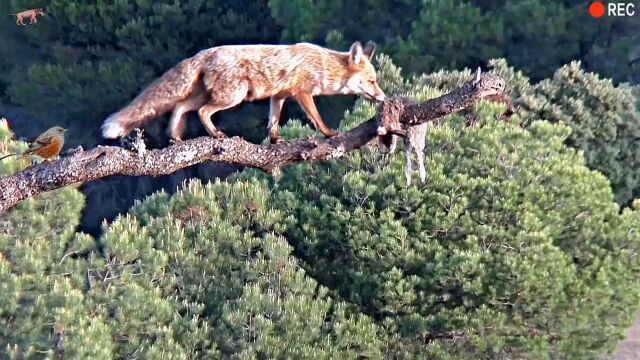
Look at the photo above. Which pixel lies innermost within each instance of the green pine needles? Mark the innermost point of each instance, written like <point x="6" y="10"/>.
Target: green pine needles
<point x="514" y="248"/>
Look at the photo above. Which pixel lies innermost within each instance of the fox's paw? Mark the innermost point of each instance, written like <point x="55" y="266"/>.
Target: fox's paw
<point x="331" y="133"/>
<point x="219" y="135"/>
<point x="277" y="140"/>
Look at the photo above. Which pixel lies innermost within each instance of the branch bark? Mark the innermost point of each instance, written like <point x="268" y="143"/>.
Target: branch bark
<point x="105" y="161"/>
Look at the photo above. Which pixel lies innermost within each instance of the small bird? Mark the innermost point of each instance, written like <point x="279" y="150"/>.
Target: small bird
<point x="47" y="146"/>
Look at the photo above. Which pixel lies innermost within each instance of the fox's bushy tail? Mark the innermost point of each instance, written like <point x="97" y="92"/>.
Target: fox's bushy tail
<point x="160" y="97"/>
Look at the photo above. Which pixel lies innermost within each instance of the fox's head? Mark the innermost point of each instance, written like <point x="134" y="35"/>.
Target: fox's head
<point x="361" y="74"/>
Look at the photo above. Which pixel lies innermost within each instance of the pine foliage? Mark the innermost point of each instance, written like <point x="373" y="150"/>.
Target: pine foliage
<point x="514" y="248"/>
<point x="205" y="273"/>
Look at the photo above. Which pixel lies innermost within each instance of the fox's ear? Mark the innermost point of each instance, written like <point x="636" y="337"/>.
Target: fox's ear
<point x="356" y="53"/>
<point x="369" y="50"/>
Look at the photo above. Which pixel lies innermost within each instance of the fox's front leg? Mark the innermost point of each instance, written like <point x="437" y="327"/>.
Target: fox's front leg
<point x="309" y="107"/>
<point x="275" y="110"/>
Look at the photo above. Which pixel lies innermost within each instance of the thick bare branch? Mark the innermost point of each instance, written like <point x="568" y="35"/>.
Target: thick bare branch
<point x="106" y="161"/>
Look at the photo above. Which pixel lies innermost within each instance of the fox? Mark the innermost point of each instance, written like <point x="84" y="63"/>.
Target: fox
<point x="32" y="14"/>
<point x="219" y="78"/>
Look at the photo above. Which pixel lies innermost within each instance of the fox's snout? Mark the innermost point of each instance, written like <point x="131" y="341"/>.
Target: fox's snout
<point x="380" y="96"/>
<point x="369" y="87"/>
<point x="374" y="94"/>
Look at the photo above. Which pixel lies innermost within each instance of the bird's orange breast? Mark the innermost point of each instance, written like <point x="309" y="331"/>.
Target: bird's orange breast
<point x="50" y="150"/>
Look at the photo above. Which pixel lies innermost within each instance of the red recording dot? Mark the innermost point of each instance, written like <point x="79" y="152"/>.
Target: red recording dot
<point x="596" y="9"/>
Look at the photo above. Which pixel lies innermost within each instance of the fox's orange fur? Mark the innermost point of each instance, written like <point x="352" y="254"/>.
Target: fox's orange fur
<point x="221" y="77"/>
<point x="32" y="14"/>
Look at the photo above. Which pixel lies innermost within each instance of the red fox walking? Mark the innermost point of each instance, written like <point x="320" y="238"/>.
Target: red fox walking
<point x="222" y="77"/>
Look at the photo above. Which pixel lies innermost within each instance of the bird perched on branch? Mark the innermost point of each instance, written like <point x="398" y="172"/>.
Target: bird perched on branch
<point x="47" y="146"/>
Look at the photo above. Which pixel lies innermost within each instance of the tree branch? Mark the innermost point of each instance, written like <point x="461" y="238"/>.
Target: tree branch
<point x="105" y="161"/>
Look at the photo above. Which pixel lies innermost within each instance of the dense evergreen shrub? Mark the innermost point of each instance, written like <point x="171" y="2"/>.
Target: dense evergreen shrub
<point x="604" y="118"/>
<point x="514" y="248"/>
<point x="201" y="274"/>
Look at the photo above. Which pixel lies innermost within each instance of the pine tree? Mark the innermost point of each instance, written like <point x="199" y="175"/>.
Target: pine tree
<point x="514" y="248"/>
<point x="604" y="119"/>
<point x="34" y="237"/>
<point x="205" y="273"/>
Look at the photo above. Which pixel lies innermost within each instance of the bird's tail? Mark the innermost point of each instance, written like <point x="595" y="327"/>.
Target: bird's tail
<point x="158" y="98"/>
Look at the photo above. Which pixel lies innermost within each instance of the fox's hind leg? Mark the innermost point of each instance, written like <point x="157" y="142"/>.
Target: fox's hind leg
<point x="178" y="122"/>
<point x="205" y="114"/>
<point x="230" y="97"/>
<point x="275" y="110"/>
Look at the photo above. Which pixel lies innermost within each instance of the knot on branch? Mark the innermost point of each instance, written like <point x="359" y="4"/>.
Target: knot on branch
<point x="389" y="116"/>
<point x="337" y="152"/>
<point x="50" y="181"/>
<point x="76" y="150"/>
<point x="135" y="142"/>
<point x="312" y="144"/>
<point x="306" y="155"/>
<point x="185" y="156"/>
